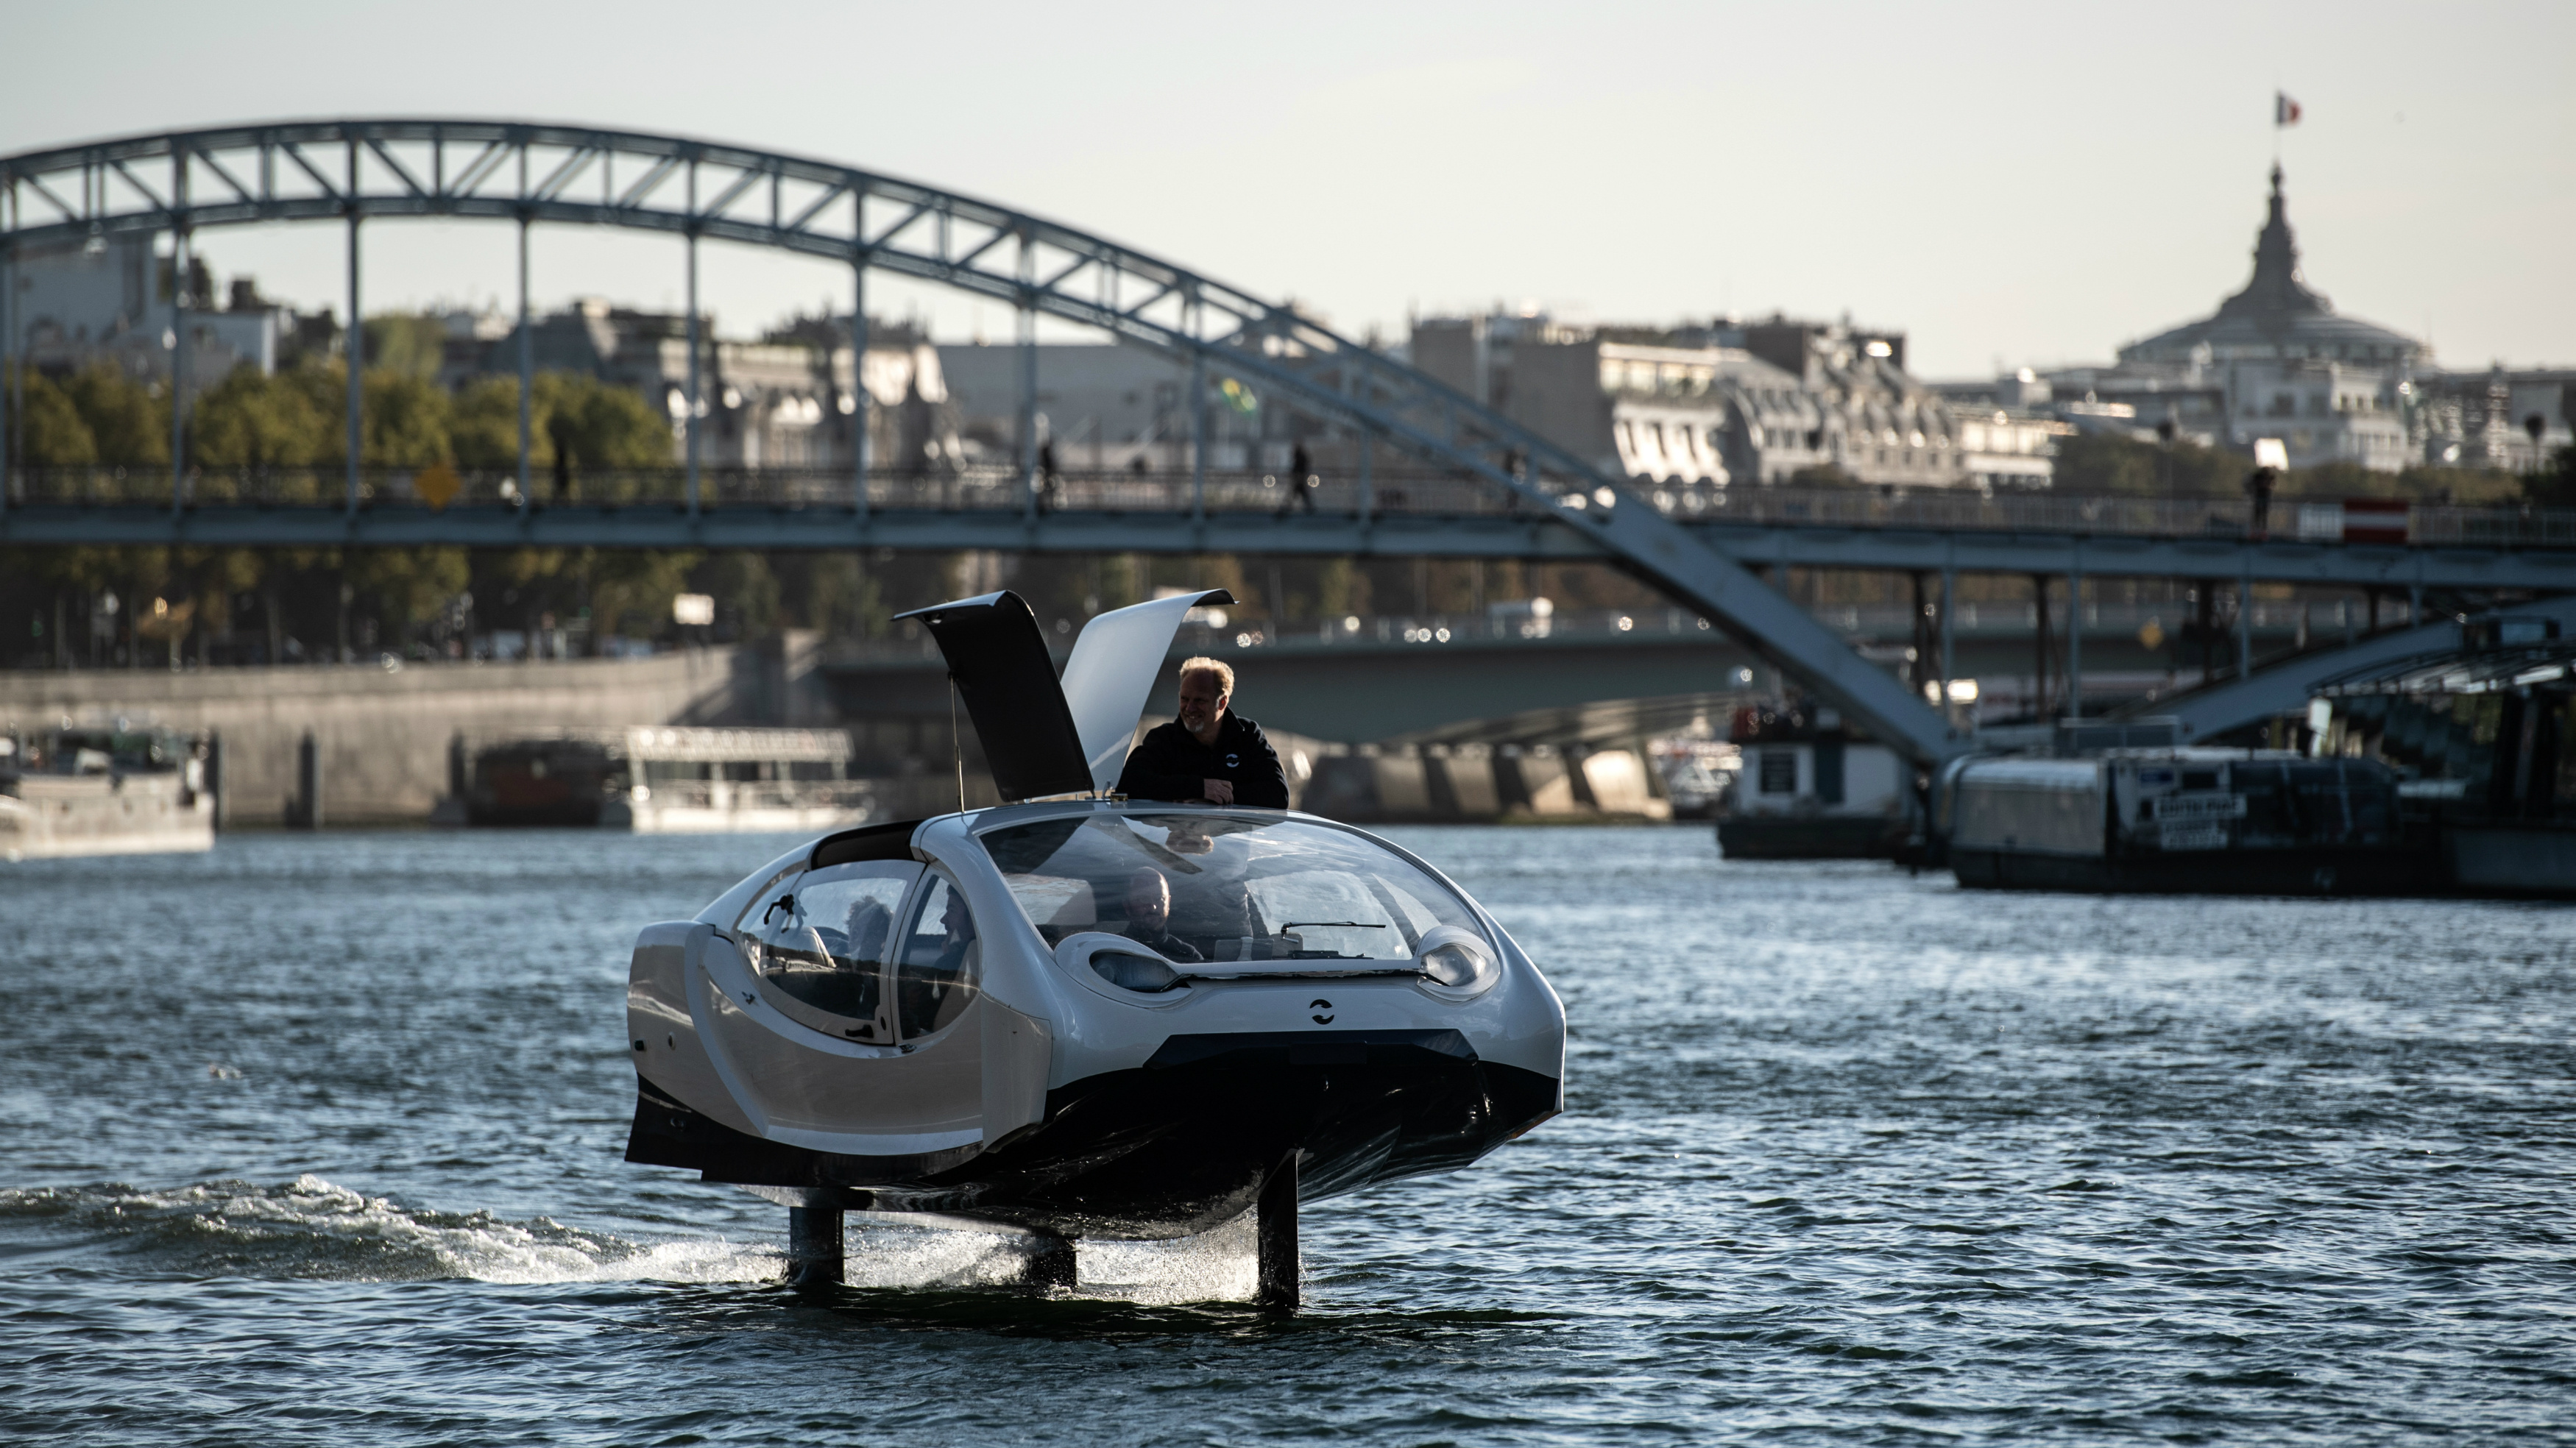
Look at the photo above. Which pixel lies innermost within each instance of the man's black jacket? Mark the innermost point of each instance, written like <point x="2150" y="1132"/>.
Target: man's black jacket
<point x="1172" y="764"/>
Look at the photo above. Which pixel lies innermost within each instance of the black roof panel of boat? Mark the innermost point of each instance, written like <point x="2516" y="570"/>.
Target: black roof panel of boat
<point x="999" y="661"/>
<point x="868" y="842"/>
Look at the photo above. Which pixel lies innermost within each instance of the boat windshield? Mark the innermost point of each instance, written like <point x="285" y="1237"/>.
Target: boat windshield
<point x="1205" y="887"/>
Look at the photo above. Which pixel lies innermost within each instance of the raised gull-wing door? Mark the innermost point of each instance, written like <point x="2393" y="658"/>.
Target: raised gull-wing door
<point x="1113" y="668"/>
<point x="998" y="657"/>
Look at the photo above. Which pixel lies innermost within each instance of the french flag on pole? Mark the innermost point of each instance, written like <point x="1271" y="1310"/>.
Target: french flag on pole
<point x="2285" y="111"/>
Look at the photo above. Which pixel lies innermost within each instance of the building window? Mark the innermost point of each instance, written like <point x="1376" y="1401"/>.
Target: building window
<point x="1779" y="771"/>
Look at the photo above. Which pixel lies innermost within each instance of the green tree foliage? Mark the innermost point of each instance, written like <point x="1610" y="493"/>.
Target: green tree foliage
<point x="842" y="597"/>
<point x="406" y="345"/>
<point x="603" y="426"/>
<point x="405" y="421"/>
<point x="2097" y="466"/>
<point x="129" y="423"/>
<point x="484" y="428"/>
<point x="2466" y="487"/>
<point x="2093" y="465"/>
<point x="55" y="434"/>
<point x="86" y="569"/>
<point x="529" y="567"/>
<point x="253" y="420"/>
<point x="1340" y="589"/>
<point x="602" y="429"/>
<point x="746" y="592"/>
<point x="325" y="386"/>
<point x="410" y="585"/>
<point x="222" y="570"/>
<point x="1823" y="475"/>
<point x="631" y="591"/>
<point x="2556" y="486"/>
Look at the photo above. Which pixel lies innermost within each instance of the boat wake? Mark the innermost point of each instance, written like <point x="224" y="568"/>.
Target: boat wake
<point x="315" y="1229"/>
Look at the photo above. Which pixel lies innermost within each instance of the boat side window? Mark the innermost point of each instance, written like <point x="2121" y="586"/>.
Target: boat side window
<point x="823" y="939"/>
<point x="942" y="960"/>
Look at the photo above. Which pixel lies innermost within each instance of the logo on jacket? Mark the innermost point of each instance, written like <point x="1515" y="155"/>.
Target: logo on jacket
<point x="1234" y="761"/>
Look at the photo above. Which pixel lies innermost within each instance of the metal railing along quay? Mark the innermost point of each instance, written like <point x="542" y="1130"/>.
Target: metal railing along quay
<point x="994" y="489"/>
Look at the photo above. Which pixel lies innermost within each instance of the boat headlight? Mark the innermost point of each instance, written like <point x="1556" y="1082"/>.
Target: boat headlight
<point x="1119" y="961"/>
<point x="1457" y="962"/>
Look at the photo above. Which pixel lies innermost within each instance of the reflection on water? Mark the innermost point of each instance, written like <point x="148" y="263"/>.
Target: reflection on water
<point x="317" y="1140"/>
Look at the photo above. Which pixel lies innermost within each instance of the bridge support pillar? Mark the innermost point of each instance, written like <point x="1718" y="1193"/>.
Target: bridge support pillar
<point x="354" y="347"/>
<point x="1949" y="661"/>
<point x="1368" y="481"/>
<point x="527" y="349"/>
<point x="178" y="370"/>
<point x="2075" y="643"/>
<point x="696" y="404"/>
<point x="2039" y="647"/>
<point x="1918" y="634"/>
<point x="2244" y="623"/>
<point x="858" y="377"/>
<point x="1025" y="327"/>
<point x="13" y="393"/>
<point x="1198" y="433"/>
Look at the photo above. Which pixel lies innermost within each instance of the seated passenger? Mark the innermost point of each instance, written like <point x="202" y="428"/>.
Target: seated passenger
<point x="1149" y="911"/>
<point x="1210" y="752"/>
<point x="940" y="965"/>
<point x="869" y="925"/>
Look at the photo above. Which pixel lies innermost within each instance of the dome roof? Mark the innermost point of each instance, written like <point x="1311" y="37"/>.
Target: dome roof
<point x="2276" y="315"/>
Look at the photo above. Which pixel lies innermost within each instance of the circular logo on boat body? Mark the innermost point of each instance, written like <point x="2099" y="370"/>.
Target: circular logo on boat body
<point x="1323" y="1011"/>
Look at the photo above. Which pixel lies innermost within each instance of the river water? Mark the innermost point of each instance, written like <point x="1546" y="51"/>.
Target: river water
<point x="316" y="1140"/>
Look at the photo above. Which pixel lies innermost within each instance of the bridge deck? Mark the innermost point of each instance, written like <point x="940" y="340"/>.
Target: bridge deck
<point x="1396" y="513"/>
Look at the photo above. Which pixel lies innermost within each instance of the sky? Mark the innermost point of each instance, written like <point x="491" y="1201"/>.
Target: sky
<point x="2011" y="185"/>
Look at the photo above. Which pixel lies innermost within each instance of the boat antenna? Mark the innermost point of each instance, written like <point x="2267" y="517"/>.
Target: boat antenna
<point x="956" y="750"/>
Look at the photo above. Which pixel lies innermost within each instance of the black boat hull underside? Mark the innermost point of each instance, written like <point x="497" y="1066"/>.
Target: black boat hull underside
<point x="1176" y="1147"/>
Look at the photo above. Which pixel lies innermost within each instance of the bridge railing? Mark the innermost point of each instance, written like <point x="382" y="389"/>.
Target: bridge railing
<point x="973" y="488"/>
<point x="1510" y="624"/>
<point x="1968" y="510"/>
<point x="990" y="488"/>
<point x="1973" y="618"/>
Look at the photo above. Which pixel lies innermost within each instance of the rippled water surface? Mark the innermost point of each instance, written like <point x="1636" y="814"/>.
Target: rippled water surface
<point x="316" y="1140"/>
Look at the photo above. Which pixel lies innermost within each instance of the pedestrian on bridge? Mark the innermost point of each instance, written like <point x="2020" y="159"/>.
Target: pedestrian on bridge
<point x="1050" y="482"/>
<point x="1302" y="482"/>
<point x="2258" y="486"/>
<point x="1210" y="752"/>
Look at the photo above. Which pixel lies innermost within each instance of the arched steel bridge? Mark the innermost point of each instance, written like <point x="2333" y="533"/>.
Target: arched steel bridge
<point x="1529" y="496"/>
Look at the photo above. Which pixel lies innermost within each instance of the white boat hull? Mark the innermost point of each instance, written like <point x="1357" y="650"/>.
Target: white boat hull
<point x="84" y="815"/>
<point x="685" y="819"/>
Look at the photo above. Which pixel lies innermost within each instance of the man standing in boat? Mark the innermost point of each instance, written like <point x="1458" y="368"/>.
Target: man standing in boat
<point x="1209" y="752"/>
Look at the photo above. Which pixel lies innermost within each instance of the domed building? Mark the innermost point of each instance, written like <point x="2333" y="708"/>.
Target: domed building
<point x="2331" y="388"/>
